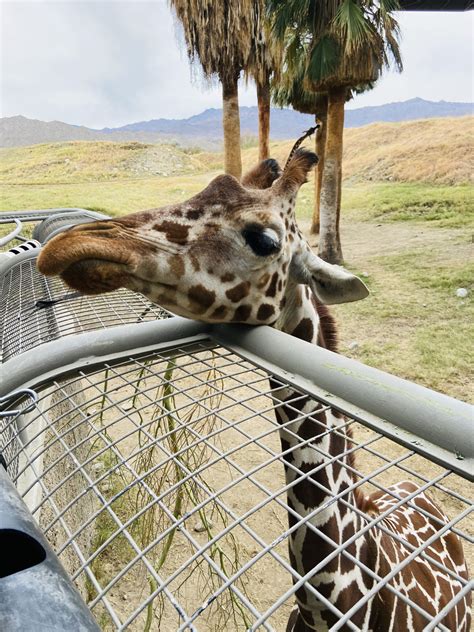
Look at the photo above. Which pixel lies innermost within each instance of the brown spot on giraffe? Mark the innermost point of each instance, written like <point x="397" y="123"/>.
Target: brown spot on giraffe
<point x="238" y="292"/>
<point x="242" y="314"/>
<point x="272" y="286"/>
<point x="219" y="313"/>
<point x="203" y="297"/>
<point x="194" y="214"/>
<point x="195" y="262"/>
<point x="174" y="232"/>
<point x="304" y="330"/>
<point x="228" y="277"/>
<point x="265" y="312"/>
<point x="176" y="264"/>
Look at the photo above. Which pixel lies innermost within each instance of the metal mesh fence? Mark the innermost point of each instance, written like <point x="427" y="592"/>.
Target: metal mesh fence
<point x="34" y="309"/>
<point x="159" y="480"/>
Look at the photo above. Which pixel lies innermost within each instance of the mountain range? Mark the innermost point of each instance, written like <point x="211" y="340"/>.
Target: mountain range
<point x="205" y="129"/>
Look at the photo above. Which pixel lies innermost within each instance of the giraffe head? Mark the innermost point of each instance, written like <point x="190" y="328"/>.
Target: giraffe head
<point x="229" y="254"/>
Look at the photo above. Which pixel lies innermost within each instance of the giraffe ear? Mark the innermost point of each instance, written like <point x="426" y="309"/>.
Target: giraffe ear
<point x="330" y="283"/>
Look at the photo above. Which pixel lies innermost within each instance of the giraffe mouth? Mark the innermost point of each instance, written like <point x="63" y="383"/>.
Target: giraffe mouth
<point x="92" y="264"/>
<point x="87" y="261"/>
<point x="96" y="276"/>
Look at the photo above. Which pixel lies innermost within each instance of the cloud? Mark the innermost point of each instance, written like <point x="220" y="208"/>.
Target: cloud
<point x="108" y="63"/>
<point x="437" y="58"/>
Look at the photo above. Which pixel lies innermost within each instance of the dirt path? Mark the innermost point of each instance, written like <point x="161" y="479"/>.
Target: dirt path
<point x="364" y="240"/>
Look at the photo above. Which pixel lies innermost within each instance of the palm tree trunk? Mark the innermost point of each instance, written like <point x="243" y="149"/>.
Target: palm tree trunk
<point x="231" y="124"/>
<point x="329" y="241"/>
<point x="321" y="118"/>
<point x="263" y="99"/>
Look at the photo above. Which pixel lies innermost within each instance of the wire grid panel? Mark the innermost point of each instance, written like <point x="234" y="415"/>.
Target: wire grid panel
<point x="35" y="309"/>
<point x="161" y="485"/>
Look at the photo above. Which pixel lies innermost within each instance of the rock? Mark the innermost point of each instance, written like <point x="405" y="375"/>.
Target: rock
<point x="200" y="527"/>
<point x="461" y="292"/>
<point x="353" y="346"/>
<point x="364" y="274"/>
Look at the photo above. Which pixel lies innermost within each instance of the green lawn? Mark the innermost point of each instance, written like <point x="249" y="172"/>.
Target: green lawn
<point x="413" y="324"/>
<point x="115" y="198"/>
<point x="443" y="206"/>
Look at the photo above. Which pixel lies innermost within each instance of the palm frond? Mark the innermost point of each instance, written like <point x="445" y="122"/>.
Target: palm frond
<point x="352" y="29"/>
<point x="323" y="59"/>
<point x="386" y="7"/>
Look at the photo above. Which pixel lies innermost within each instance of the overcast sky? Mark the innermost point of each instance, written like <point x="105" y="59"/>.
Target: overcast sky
<point x="108" y="63"/>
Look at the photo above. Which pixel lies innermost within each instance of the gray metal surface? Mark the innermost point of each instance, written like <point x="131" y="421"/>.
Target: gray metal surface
<point x="35" y="309"/>
<point x="439" y="426"/>
<point x="36" y="215"/>
<point x="13" y="234"/>
<point x="433" y="424"/>
<point x="35" y="592"/>
<point x="58" y="222"/>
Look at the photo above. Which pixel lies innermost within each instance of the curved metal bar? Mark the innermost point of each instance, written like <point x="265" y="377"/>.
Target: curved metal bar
<point x="430" y="423"/>
<point x="15" y="395"/>
<point x="16" y="231"/>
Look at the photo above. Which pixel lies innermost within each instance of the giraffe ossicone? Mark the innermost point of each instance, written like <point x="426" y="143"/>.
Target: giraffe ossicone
<point x="234" y="253"/>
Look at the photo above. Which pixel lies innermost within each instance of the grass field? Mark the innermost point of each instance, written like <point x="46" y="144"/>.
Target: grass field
<point x="409" y="230"/>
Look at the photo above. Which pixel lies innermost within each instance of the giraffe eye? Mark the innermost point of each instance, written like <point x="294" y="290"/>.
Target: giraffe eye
<point x="263" y="242"/>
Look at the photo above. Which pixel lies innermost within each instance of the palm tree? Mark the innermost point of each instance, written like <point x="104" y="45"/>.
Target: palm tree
<point x="349" y="42"/>
<point x="219" y="35"/>
<point x="260" y="65"/>
<point x="226" y="38"/>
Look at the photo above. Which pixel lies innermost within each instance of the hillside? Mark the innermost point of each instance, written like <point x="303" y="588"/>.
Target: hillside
<point x="92" y="161"/>
<point x="205" y="129"/>
<point x="436" y="151"/>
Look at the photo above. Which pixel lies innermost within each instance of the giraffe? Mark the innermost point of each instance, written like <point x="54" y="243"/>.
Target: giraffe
<point x="234" y="253"/>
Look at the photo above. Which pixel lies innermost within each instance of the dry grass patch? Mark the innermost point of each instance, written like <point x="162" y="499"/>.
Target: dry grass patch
<point x="85" y="161"/>
<point x="438" y="151"/>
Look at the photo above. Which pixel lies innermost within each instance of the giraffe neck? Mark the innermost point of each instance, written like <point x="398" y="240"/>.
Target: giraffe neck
<point x="310" y="449"/>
